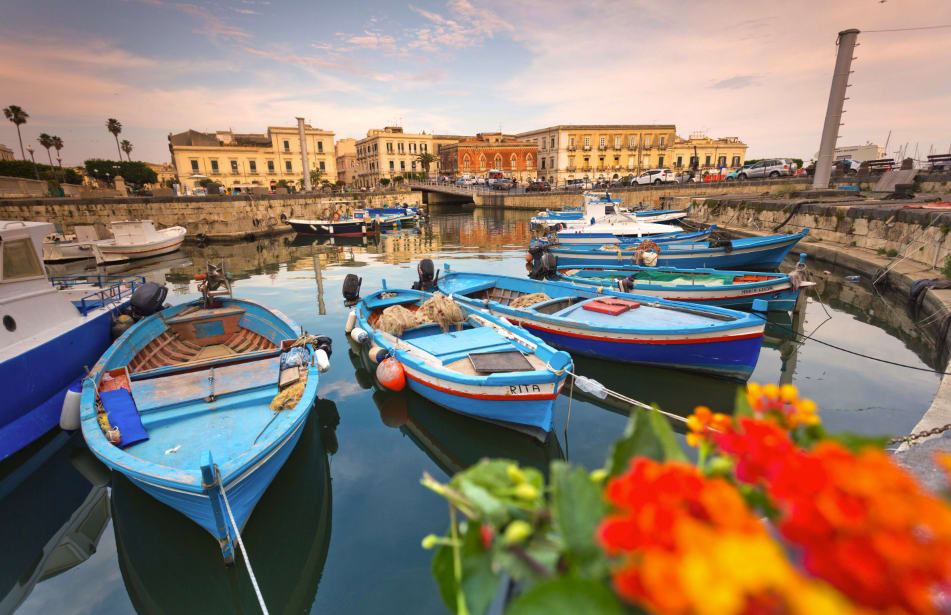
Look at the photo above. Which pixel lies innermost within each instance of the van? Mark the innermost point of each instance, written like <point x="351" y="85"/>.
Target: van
<point x="494" y="175"/>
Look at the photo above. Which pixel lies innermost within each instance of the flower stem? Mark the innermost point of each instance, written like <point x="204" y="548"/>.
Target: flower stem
<point x="457" y="563"/>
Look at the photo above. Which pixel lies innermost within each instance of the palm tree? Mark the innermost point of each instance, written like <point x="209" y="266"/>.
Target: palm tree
<point x="18" y="116"/>
<point x="426" y="159"/>
<point x="127" y="148"/>
<point x="47" y="142"/>
<point x="115" y="127"/>
<point x="58" y="145"/>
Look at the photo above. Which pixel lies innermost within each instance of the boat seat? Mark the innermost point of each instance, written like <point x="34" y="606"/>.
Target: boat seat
<point x="214" y="351"/>
<point x="204" y="314"/>
<point x="378" y="303"/>
<point x="455" y="345"/>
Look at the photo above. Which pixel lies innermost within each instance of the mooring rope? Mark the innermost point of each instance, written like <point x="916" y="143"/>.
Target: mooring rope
<point x="244" y="552"/>
<point x="592" y="386"/>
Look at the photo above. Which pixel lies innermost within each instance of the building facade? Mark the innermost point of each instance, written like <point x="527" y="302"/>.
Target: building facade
<point x="859" y="153"/>
<point x="389" y="152"/>
<point x="5" y="152"/>
<point x="165" y="172"/>
<point x="725" y="153"/>
<point x="490" y="150"/>
<point x="346" y="153"/>
<point x="246" y="160"/>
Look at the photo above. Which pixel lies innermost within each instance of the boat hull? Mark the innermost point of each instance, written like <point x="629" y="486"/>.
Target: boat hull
<point x="355" y="228"/>
<point x="113" y="253"/>
<point x="64" y="252"/>
<point x="611" y="238"/>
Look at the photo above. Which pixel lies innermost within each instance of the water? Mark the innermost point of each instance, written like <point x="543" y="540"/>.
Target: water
<point x="339" y="529"/>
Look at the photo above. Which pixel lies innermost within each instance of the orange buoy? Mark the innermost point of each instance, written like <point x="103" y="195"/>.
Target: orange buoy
<point x="528" y="257"/>
<point x="391" y="375"/>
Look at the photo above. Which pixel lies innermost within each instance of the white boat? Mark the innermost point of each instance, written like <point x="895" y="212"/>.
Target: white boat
<point x="58" y="248"/>
<point x="134" y="239"/>
<point x="601" y="222"/>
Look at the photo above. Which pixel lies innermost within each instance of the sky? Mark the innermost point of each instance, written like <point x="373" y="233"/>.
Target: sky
<point x="756" y="70"/>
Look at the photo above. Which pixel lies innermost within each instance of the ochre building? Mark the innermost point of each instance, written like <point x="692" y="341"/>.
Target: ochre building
<point x="490" y="150"/>
<point x="389" y="152"/>
<point x="245" y="160"/>
<point x="346" y="153"/>
<point x="726" y="153"/>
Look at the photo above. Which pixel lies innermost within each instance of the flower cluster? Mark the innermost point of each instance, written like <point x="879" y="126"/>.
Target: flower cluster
<point x="782" y="405"/>
<point x="702" y="422"/>
<point x="689" y="544"/>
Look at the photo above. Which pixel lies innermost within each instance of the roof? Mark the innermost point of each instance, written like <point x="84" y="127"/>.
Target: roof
<point x="600" y="127"/>
<point x="193" y="137"/>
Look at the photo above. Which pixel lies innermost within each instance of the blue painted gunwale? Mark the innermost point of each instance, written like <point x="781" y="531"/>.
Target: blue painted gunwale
<point x="722" y="347"/>
<point x="587" y="239"/>
<point x="728" y="295"/>
<point x="246" y="475"/>
<point x="476" y="396"/>
<point x="765" y="252"/>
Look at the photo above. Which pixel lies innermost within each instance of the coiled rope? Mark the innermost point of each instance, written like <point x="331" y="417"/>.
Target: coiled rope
<point x="244" y="552"/>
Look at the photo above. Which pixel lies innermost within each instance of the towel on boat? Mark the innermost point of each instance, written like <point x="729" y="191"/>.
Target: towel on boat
<point x="123" y="414"/>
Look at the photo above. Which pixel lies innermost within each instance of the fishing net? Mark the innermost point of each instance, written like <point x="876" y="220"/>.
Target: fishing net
<point x="441" y="310"/>
<point x="396" y="319"/>
<point x="289" y="397"/>
<point x="529" y="300"/>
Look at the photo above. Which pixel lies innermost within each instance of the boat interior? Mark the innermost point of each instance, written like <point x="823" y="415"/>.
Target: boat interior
<point x="673" y="278"/>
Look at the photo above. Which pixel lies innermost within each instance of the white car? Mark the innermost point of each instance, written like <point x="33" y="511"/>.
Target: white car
<point x="656" y="176"/>
<point x="479" y="181"/>
<point x="465" y="180"/>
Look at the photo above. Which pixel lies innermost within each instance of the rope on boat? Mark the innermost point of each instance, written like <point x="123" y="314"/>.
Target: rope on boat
<point x="593" y="387"/>
<point x="244" y="552"/>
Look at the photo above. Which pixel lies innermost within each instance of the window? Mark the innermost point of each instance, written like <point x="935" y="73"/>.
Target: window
<point x="320" y="147"/>
<point x="680" y="162"/>
<point x="633" y="142"/>
<point x="663" y="141"/>
<point x="287" y="146"/>
<point x="253" y="165"/>
<point x="424" y="147"/>
<point x="497" y="163"/>
<point x="234" y="167"/>
<point x="721" y="161"/>
<point x="694" y="161"/>
<point x="323" y="166"/>
<point x="630" y="162"/>
<point x="482" y="162"/>
<point x="528" y="161"/>
<point x="402" y="165"/>
<point x="571" y="142"/>
<point x="601" y="142"/>
<point x="514" y="161"/>
<point x="617" y="142"/>
<point x="194" y="166"/>
<point x="660" y="161"/>
<point x="374" y="147"/>
<point x="706" y="160"/>
<point x="20" y="260"/>
<point x="553" y="142"/>
<point x="287" y="166"/>
<point x="214" y="166"/>
<point x="412" y="148"/>
<point x="465" y="162"/>
<point x="270" y="166"/>
<point x="551" y="162"/>
<point x="647" y="141"/>
<point x="413" y="165"/>
<point x="438" y="147"/>
<point x="389" y="148"/>
<point x="736" y="161"/>
<point x="587" y="142"/>
<point x="399" y="147"/>
<point x="543" y="163"/>
<point x="392" y="167"/>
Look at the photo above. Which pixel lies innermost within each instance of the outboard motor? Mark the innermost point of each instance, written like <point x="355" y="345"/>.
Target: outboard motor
<point x="626" y="285"/>
<point x="545" y="266"/>
<point x="351" y="288"/>
<point x="322" y="342"/>
<point x="720" y="242"/>
<point x="148" y="299"/>
<point x="427" y="275"/>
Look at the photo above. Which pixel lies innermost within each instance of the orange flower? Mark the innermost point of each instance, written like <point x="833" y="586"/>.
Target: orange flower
<point x="782" y="405"/>
<point x="702" y="422"/>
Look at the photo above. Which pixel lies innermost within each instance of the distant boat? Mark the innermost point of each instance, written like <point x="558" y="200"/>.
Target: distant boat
<point x="590" y="240"/>
<point x="618" y="326"/>
<point x="602" y="217"/>
<point x="390" y="217"/>
<point x="181" y="405"/>
<point x="58" y="248"/>
<point x="481" y="366"/>
<point x="137" y="239"/>
<point x="48" y="336"/>
<point x="336" y="226"/>
<point x="761" y="252"/>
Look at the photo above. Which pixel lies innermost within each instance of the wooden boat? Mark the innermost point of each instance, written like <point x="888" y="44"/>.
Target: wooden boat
<point x="760" y="252"/>
<point x="336" y="227"/>
<point x="190" y="391"/>
<point x="600" y="239"/>
<point x="480" y="366"/>
<point x="58" y="248"/>
<point x="390" y="217"/>
<point x="618" y="326"/>
<point x="134" y="239"/>
<point x="551" y="217"/>
<point x="733" y="289"/>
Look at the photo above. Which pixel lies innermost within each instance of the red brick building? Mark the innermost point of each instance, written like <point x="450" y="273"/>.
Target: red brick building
<point x="490" y="150"/>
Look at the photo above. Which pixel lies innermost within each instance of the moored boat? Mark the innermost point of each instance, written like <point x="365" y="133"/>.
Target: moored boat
<point x="760" y="252"/>
<point x="336" y="226"/>
<point x="477" y="365"/>
<point x="617" y="326"/>
<point x="135" y="239"/>
<point x="390" y="217"/>
<point x="600" y="239"/>
<point x="200" y="404"/>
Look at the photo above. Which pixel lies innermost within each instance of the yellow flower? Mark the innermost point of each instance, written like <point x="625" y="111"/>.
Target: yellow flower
<point x="515" y="474"/>
<point x="517" y="531"/>
<point x="526" y="491"/>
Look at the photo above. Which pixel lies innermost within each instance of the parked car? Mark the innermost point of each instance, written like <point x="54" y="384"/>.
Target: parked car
<point x="578" y="184"/>
<point x="504" y="183"/>
<point x="770" y="167"/>
<point x="848" y="166"/>
<point x="465" y="180"/>
<point x="732" y="175"/>
<point x="479" y="181"/>
<point x="538" y="186"/>
<point x="686" y="177"/>
<point x="656" y="176"/>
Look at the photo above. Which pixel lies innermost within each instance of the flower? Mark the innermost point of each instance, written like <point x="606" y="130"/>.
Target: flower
<point x="517" y="531"/>
<point x="782" y="405"/>
<point x="702" y="421"/>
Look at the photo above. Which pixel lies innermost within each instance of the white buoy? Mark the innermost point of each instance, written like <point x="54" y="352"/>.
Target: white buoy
<point x="323" y="361"/>
<point x="351" y="322"/>
<point x="358" y="335"/>
<point x="69" y="415"/>
<point x="374" y="353"/>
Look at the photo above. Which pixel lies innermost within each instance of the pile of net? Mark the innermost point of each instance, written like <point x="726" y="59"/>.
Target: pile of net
<point x="441" y="310"/>
<point x="529" y="300"/>
<point x="396" y="319"/>
<point x="289" y="397"/>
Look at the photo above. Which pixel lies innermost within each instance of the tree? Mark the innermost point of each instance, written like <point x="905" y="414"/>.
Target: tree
<point x="315" y="176"/>
<point x="47" y="142"/>
<point x="127" y="148"/>
<point x="385" y="182"/>
<point x="58" y="144"/>
<point x="115" y="127"/>
<point x="398" y="179"/>
<point x="24" y="169"/>
<point x="137" y="173"/>
<point x="18" y="116"/>
<point x="426" y="159"/>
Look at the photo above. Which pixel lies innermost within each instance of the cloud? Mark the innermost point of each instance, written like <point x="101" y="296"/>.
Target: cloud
<point x="737" y="82"/>
<point x="467" y="26"/>
<point x="211" y="24"/>
<point x="373" y="40"/>
<point x="244" y="11"/>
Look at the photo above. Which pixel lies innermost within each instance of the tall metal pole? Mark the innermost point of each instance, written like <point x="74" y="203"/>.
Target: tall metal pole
<point x="830" y="130"/>
<point x="303" y="155"/>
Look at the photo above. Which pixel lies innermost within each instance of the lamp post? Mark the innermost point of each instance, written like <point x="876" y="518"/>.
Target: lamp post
<point x="59" y="161"/>
<point x="36" y="171"/>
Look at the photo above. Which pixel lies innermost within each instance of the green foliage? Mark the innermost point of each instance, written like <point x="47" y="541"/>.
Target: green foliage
<point x="567" y="596"/>
<point x="577" y="509"/>
<point x="646" y="435"/>
<point x="479" y="582"/>
<point x="385" y="182"/>
<point x="798" y="162"/>
<point x="136" y="173"/>
<point x="946" y="268"/>
<point x="24" y="168"/>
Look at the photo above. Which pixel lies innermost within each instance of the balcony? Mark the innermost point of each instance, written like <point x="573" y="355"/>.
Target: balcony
<point x="587" y="148"/>
<point x="630" y="167"/>
<point x="601" y="148"/>
<point x="618" y="147"/>
<point x="570" y="167"/>
<point x="214" y="172"/>
<point x="572" y="148"/>
<point x="585" y="168"/>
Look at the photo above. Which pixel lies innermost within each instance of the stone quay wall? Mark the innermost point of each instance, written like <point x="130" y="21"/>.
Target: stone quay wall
<point x="211" y="217"/>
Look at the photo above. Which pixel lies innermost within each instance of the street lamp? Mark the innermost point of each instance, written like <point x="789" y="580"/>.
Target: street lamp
<point x="36" y="171"/>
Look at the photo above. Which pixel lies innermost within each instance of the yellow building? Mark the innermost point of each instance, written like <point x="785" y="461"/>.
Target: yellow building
<point x="389" y="152"/>
<point x="346" y="153"/>
<point x="726" y="153"/>
<point x="5" y="152"/>
<point x="600" y="151"/>
<point x="238" y="160"/>
<point x="165" y="172"/>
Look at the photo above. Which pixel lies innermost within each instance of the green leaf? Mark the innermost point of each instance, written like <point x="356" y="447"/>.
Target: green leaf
<point x="490" y="508"/>
<point x="665" y="434"/>
<point x="445" y="578"/>
<point x="577" y="507"/>
<point x="479" y="583"/>
<point x="856" y="442"/>
<point x="638" y="440"/>
<point x="741" y="406"/>
<point x="567" y="596"/>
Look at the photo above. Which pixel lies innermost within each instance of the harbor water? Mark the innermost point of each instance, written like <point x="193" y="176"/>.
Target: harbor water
<point x="339" y="529"/>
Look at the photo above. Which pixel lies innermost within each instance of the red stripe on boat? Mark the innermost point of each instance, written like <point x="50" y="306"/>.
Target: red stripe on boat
<point x="696" y="340"/>
<point x="482" y="395"/>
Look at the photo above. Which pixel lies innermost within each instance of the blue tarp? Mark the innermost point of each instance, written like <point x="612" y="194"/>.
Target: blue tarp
<point x="123" y="414"/>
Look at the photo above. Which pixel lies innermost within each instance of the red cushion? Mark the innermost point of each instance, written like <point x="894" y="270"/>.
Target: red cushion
<point x="610" y="305"/>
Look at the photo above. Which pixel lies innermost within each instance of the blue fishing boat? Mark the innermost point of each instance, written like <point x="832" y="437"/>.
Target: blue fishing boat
<point x="757" y="252"/>
<point x="200" y="404"/>
<point x="591" y="239"/>
<point x="48" y="335"/>
<point x="617" y="326"/>
<point x="468" y="361"/>
<point x="732" y="289"/>
<point x="390" y="217"/>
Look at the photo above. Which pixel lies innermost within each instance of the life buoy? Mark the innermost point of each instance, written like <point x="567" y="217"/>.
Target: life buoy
<point x="336" y="217"/>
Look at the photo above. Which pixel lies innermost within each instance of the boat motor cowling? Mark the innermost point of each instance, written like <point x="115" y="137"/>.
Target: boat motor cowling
<point x="351" y="288"/>
<point x="427" y="275"/>
<point x="545" y="267"/>
<point x="148" y="299"/>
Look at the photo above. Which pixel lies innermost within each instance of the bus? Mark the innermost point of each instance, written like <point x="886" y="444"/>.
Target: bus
<point x="493" y="175"/>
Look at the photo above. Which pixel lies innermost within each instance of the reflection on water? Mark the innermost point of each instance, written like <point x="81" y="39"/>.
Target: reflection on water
<point x="363" y="550"/>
